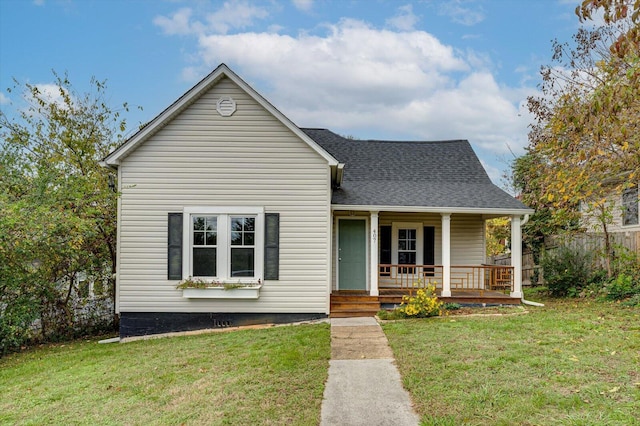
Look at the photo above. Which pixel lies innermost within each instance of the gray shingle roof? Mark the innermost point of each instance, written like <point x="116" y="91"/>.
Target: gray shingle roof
<point x="436" y="174"/>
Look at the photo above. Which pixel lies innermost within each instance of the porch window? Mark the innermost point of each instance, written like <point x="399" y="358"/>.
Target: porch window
<point x="407" y="252"/>
<point x="407" y="249"/>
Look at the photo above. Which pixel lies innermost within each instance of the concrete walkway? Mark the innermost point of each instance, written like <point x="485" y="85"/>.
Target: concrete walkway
<point x="364" y="386"/>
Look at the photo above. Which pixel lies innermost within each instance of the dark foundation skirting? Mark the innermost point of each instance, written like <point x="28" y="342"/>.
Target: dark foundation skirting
<point x="145" y="323"/>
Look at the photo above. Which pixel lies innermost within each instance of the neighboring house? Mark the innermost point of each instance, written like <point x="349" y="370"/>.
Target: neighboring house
<point x="624" y="211"/>
<point x="221" y="187"/>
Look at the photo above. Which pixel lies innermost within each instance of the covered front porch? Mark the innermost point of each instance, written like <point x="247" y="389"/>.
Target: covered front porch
<point x="471" y="285"/>
<point x="381" y="256"/>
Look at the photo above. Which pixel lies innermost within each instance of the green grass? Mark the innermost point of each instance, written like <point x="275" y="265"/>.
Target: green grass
<point x="268" y="376"/>
<point x="573" y="362"/>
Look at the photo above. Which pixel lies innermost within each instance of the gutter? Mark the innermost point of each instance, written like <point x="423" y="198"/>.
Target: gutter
<point x="106" y="165"/>
<point x="522" y="299"/>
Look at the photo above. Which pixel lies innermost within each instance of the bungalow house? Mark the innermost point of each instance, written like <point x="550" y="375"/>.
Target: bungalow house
<point x="269" y="222"/>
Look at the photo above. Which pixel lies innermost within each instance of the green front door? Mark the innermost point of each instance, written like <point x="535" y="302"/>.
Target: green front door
<point x="352" y="254"/>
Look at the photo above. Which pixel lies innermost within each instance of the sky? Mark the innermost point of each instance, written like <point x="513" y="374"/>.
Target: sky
<point x="370" y="69"/>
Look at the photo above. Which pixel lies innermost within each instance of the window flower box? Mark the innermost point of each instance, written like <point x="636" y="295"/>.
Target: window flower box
<point x="199" y="289"/>
<point x="252" y="292"/>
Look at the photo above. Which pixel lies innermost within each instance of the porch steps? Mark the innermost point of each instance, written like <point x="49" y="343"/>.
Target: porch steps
<point x="345" y="306"/>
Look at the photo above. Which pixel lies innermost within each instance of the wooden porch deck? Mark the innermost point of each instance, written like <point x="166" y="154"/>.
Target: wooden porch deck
<point x="354" y="303"/>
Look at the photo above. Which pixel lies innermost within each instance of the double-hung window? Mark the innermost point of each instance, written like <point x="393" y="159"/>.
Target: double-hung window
<point x="205" y="246"/>
<point x="224" y="243"/>
<point x="243" y="246"/>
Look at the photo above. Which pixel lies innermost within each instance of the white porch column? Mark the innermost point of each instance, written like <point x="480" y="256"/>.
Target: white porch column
<point x="373" y="255"/>
<point x="516" y="255"/>
<point x="446" y="255"/>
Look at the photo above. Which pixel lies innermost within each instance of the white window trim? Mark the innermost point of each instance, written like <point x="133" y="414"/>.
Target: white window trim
<point x="395" y="226"/>
<point x="223" y="260"/>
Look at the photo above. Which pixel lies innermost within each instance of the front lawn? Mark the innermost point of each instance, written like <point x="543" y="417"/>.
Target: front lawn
<point x="269" y="376"/>
<point x="573" y="362"/>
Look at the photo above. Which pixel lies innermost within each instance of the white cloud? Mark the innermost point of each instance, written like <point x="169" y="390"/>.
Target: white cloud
<point x="50" y="93"/>
<point x="376" y="83"/>
<point x="232" y="15"/>
<point x="304" y="5"/>
<point x="235" y="14"/>
<point x="38" y="2"/>
<point x="460" y="13"/>
<point x="404" y="20"/>
<point x="4" y="99"/>
<point x="495" y="174"/>
<point x="178" y="23"/>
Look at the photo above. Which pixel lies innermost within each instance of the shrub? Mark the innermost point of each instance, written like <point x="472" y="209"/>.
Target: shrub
<point x="389" y="315"/>
<point x="626" y="262"/>
<point x="626" y="282"/>
<point x="622" y="287"/>
<point x="424" y="304"/>
<point x="451" y="306"/>
<point x="632" y="301"/>
<point x="566" y="271"/>
<point x="15" y="325"/>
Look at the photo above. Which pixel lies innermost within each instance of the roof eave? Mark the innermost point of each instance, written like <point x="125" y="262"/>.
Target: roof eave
<point x="426" y="209"/>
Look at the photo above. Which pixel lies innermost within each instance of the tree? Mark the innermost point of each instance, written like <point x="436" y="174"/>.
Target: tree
<point x="497" y="234"/>
<point x="627" y="42"/>
<point x="58" y="215"/>
<point x="585" y="143"/>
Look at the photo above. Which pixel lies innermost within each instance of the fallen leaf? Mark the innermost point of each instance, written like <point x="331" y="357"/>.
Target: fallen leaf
<point x="616" y="389"/>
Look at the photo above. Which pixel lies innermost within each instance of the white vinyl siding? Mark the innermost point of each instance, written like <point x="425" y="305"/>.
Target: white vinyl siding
<point x="467" y="240"/>
<point x="201" y="159"/>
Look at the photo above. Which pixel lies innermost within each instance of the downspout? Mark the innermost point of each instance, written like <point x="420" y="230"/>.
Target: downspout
<point x="528" y="302"/>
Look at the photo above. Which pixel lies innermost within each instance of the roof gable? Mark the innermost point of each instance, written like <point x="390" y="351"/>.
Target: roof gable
<point x="117" y="155"/>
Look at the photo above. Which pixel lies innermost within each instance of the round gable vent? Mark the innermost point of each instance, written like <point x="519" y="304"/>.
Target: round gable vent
<point x="226" y="106"/>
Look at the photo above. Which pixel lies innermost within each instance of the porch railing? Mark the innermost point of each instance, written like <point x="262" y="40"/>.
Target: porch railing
<point x="475" y="277"/>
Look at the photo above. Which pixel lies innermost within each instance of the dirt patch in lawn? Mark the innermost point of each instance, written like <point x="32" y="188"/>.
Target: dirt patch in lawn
<point x="486" y="311"/>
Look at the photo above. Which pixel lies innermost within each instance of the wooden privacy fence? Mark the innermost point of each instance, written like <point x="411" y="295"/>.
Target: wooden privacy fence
<point x="531" y="273"/>
<point x="591" y="243"/>
<point x="595" y="242"/>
